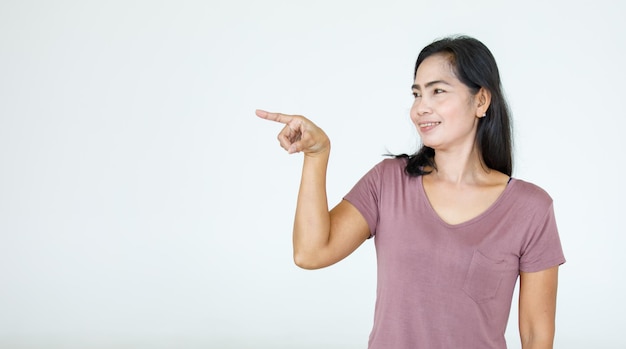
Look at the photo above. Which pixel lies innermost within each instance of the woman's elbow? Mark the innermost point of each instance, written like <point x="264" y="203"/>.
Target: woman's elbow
<point x="308" y="261"/>
<point x="539" y="338"/>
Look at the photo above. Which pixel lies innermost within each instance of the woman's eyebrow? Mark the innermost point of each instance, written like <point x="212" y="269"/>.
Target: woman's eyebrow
<point x="429" y="84"/>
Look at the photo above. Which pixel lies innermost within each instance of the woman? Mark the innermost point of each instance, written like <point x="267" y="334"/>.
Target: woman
<point x="453" y="230"/>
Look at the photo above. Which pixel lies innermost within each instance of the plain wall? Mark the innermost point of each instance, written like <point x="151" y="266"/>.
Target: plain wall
<point x="143" y="205"/>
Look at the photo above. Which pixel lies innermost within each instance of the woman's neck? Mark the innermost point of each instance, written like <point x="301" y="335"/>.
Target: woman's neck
<point x="459" y="168"/>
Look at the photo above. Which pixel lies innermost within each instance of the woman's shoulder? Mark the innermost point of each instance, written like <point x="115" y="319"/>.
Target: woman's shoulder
<point x="388" y="170"/>
<point x="394" y="162"/>
<point x="389" y="166"/>
<point x="530" y="193"/>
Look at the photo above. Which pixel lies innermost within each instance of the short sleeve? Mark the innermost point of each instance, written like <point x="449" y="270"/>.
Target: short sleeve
<point x="543" y="250"/>
<point x="365" y="197"/>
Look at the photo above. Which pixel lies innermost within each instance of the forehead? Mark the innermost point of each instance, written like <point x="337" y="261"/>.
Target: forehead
<point x="435" y="67"/>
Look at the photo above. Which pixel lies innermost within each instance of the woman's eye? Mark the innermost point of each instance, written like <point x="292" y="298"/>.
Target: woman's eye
<point x="415" y="94"/>
<point x="438" y="91"/>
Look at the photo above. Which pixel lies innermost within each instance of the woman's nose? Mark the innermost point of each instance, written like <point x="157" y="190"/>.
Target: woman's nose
<point x="421" y="106"/>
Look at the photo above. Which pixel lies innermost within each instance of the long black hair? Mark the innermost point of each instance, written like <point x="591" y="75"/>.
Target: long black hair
<point x="475" y="66"/>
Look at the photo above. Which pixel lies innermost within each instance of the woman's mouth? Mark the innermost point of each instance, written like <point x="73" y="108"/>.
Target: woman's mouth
<point x="429" y="124"/>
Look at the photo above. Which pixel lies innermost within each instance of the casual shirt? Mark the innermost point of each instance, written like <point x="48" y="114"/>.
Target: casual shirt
<point x="446" y="285"/>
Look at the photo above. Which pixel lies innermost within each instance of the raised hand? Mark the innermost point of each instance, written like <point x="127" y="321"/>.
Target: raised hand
<point x="320" y="237"/>
<point x="299" y="133"/>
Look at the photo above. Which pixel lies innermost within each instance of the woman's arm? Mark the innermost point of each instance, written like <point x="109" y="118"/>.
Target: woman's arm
<point x="320" y="237"/>
<point x="537" y="308"/>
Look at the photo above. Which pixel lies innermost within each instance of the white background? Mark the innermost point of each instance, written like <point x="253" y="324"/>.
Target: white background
<point x="143" y="205"/>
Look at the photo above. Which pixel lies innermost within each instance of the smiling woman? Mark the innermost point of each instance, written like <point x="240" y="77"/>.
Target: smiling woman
<point x="467" y="69"/>
<point x="453" y="230"/>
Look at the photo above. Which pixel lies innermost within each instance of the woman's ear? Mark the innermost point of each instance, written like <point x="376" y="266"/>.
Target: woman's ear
<point x="483" y="98"/>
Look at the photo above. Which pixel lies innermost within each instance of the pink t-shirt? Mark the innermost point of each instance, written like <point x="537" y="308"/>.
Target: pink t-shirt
<point x="450" y="286"/>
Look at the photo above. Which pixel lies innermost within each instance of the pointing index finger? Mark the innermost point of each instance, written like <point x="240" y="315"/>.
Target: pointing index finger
<point x="278" y="117"/>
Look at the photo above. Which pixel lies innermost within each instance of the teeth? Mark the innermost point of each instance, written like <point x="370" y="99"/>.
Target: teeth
<point x="429" y="124"/>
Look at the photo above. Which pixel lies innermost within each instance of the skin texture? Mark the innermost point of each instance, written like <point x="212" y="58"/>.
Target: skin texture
<point x="537" y="308"/>
<point x="445" y="113"/>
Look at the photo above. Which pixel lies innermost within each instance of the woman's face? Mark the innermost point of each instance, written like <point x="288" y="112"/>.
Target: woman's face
<point x="445" y="111"/>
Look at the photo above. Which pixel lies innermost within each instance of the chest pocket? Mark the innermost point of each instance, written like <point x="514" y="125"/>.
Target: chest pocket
<point x="483" y="278"/>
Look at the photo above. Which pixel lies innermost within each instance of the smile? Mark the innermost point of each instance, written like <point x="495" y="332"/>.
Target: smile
<point x="429" y="124"/>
